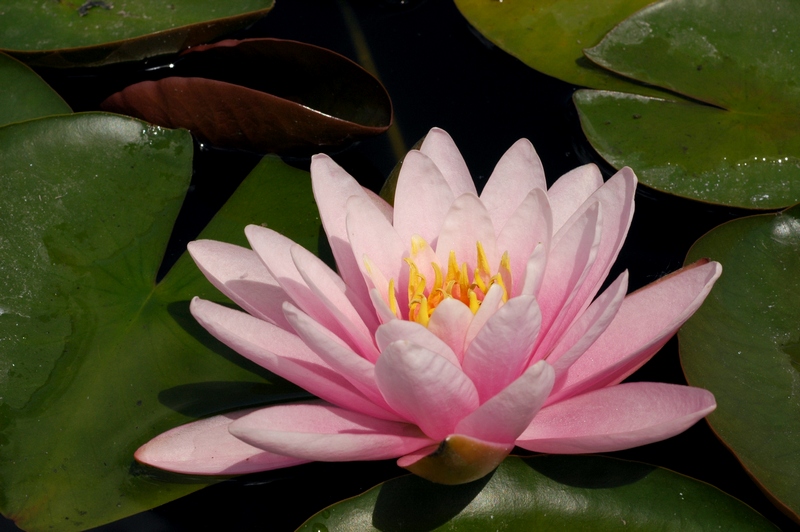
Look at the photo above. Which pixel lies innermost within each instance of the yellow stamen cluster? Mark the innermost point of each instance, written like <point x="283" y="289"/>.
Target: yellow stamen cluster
<point x="456" y="284"/>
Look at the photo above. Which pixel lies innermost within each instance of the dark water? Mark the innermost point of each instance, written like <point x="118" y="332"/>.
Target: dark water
<point x="439" y="72"/>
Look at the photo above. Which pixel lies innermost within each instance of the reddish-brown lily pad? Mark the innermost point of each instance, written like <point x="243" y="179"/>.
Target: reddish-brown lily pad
<point x="265" y="95"/>
<point x="67" y="33"/>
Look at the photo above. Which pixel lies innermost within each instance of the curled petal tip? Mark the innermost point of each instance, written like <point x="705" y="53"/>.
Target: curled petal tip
<point x="321" y="157"/>
<point x="628" y="172"/>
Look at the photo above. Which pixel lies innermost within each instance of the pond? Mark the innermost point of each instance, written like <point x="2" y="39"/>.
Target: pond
<point x="439" y="72"/>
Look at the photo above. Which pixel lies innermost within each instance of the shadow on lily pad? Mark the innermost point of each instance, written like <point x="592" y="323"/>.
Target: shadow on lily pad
<point x="593" y="472"/>
<point x="201" y="399"/>
<point x="412" y="504"/>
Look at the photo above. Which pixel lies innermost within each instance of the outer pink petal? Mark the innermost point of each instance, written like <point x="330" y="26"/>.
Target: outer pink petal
<point x="616" y="200"/>
<point x="332" y="188"/>
<point x="358" y="371"/>
<point x="589" y="326"/>
<point x="282" y="353"/>
<point x="326" y="285"/>
<point x="571" y="190"/>
<point x="568" y="264"/>
<point x="416" y="456"/>
<point x="450" y="322"/>
<point x="416" y="334"/>
<point x="206" y="447"/>
<point x="421" y="200"/>
<point x="646" y="319"/>
<point x="443" y="152"/>
<point x="529" y="226"/>
<point x="238" y="273"/>
<point x="501" y="349"/>
<point x="326" y="433"/>
<point x="517" y="172"/>
<point x="466" y="224"/>
<point x="423" y="386"/>
<point x="505" y="416"/>
<point x="275" y="252"/>
<point x="616" y="418"/>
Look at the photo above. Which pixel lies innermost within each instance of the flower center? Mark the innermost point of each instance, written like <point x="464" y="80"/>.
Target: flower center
<point x="456" y="283"/>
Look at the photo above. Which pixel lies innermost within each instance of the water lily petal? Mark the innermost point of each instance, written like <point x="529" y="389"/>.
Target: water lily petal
<point x="316" y="431"/>
<point x="616" y="418"/>
<point x="467" y="223"/>
<point x="506" y="415"/>
<point x="423" y="386"/>
<point x="238" y="273"/>
<point x="591" y="324"/>
<point x="385" y="209"/>
<point x="568" y="264"/>
<point x="530" y="225"/>
<point x="282" y="353"/>
<point x="385" y="314"/>
<point x="322" y="281"/>
<point x="450" y="322"/>
<point x="416" y="334"/>
<point x="421" y="199"/>
<point x="373" y="237"/>
<point x="501" y="349"/>
<point x="332" y="188"/>
<point x="274" y="249"/>
<point x="206" y="447"/>
<point x="534" y="272"/>
<point x="516" y="174"/>
<point x="571" y="190"/>
<point x="645" y="321"/>
<point x="490" y="304"/>
<point x="358" y="371"/>
<point x="616" y="200"/>
<point x="443" y="152"/>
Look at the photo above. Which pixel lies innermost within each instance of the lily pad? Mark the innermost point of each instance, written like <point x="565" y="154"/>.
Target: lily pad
<point x="744" y="345"/>
<point x="545" y="493"/>
<point x="734" y="144"/>
<point x="24" y="95"/>
<point x="76" y="33"/>
<point x="311" y="98"/>
<point x="97" y="357"/>
<point x="550" y="35"/>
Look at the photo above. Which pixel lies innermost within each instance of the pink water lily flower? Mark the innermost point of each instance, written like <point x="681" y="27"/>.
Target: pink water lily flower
<point x="457" y="326"/>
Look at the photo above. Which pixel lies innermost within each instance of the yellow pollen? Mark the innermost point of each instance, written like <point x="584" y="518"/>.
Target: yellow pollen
<point x="455" y="283"/>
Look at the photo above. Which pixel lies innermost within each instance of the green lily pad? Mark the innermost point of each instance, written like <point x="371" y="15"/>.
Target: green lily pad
<point x="744" y="345"/>
<point x="545" y="493"/>
<point x="24" y="95"/>
<point x="736" y="143"/>
<point x="97" y="357"/>
<point x="550" y="35"/>
<point x="70" y="33"/>
<point x="312" y="97"/>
